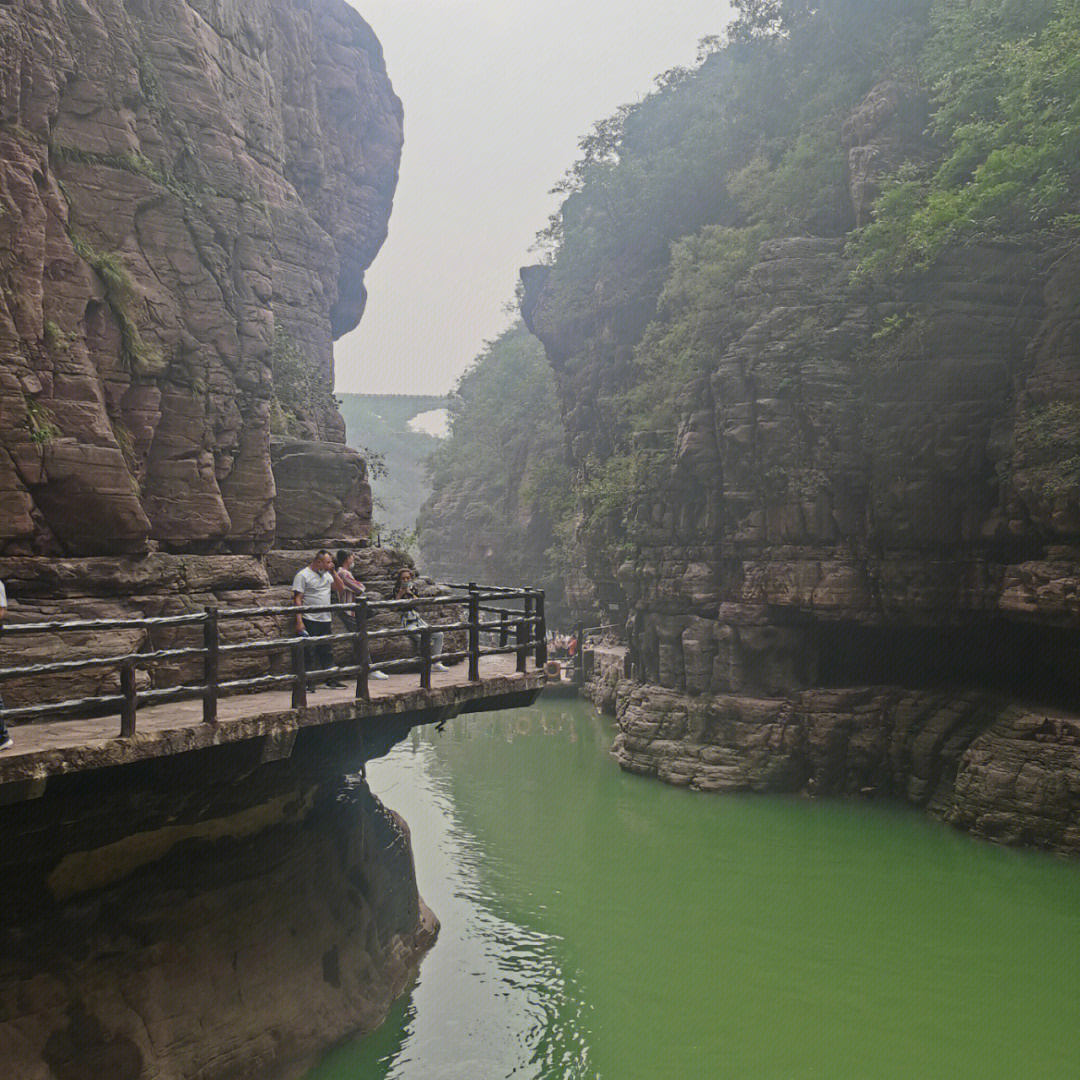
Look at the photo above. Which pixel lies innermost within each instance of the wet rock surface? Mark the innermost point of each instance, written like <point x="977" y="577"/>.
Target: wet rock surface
<point x="999" y="769"/>
<point x="200" y="917"/>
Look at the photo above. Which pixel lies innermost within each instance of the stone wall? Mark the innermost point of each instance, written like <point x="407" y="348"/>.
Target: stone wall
<point x="189" y="191"/>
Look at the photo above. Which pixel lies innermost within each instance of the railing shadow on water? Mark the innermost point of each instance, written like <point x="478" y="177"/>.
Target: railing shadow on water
<point x="518" y="629"/>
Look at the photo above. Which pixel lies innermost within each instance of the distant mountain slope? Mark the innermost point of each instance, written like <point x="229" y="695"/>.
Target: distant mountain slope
<point x="379" y="423"/>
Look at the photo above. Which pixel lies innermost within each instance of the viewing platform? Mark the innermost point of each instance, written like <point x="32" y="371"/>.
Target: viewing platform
<point x="501" y="634"/>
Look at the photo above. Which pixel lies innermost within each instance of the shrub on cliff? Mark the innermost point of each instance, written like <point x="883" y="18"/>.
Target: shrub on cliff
<point x="1005" y="79"/>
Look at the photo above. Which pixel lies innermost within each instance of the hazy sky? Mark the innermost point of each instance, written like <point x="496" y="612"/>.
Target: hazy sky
<point x="496" y="95"/>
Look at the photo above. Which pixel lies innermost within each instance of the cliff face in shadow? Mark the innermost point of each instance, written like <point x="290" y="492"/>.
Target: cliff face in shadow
<point x="219" y="914"/>
<point x="848" y="534"/>
<point x="189" y="196"/>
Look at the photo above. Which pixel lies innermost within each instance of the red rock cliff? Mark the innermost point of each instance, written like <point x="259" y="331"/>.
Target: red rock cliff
<point x="190" y="193"/>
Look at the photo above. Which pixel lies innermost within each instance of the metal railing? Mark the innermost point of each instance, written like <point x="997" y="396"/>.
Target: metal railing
<point x="525" y="623"/>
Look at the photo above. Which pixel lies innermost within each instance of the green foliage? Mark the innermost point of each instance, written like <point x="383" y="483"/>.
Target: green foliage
<point x="669" y="203"/>
<point x="152" y="88"/>
<point x="1006" y="83"/>
<point x="138" y="357"/>
<point x="767" y="18"/>
<point x="42" y="423"/>
<point x="376" y="463"/>
<point x="805" y="193"/>
<point x="56" y="338"/>
<point x="138" y="164"/>
<point x="697" y="315"/>
<point x="405" y="540"/>
<point x="1047" y="434"/>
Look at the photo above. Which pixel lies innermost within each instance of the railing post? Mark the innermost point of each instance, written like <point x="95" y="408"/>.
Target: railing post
<point x="579" y="656"/>
<point x="211" y="661"/>
<point x="127" y="709"/>
<point x="360" y="648"/>
<point x="528" y="613"/>
<point x="299" y="667"/>
<point x="425" y="658"/>
<point x="522" y="642"/>
<point x="474" y="632"/>
<point x="541" y="631"/>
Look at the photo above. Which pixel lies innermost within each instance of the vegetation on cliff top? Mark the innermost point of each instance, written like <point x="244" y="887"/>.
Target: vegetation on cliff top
<point x="762" y="118"/>
<point x="1005" y="79"/>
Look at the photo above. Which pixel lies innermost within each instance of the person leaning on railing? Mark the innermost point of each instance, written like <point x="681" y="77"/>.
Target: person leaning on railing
<point x="5" y="738"/>
<point x="404" y="589"/>
<point x="351" y="590"/>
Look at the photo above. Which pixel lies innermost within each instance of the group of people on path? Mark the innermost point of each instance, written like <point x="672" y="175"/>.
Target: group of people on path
<point x="563" y="646"/>
<point x="328" y="578"/>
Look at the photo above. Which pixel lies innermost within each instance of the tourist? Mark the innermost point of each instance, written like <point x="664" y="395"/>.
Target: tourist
<point x="311" y="589"/>
<point x="5" y="738"/>
<point x="404" y="589"/>
<point x="351" y="591"/>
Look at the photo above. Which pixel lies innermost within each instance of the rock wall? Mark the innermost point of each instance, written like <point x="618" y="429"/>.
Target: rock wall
<point x="189" y="196"/>
<point x="207" y="915"/>
<point x="860" y="573"/>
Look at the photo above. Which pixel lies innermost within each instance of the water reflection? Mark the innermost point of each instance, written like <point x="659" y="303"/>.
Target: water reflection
<point x="493" y="998"/>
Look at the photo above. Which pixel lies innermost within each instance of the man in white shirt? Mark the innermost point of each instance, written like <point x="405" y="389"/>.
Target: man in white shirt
<point x="311" y="589"/>
<point x="5" y="738"/>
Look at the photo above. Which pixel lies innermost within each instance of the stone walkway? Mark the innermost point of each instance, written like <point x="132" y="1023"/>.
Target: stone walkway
<point x="177" y="726"/>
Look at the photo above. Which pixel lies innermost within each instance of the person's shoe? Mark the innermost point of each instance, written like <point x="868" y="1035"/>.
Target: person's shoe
<point x="6" y="741"/>
<point x="312" y="689"/>
<point x="439" y="666"/>
<point x="378" y="675"/>
<point x="335" y="684"/>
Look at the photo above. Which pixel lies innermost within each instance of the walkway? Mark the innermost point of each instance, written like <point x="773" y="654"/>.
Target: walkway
<point x="48" y="749"/>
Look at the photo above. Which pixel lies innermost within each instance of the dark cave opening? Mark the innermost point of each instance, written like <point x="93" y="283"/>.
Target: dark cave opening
<point x="1037" y="664"/>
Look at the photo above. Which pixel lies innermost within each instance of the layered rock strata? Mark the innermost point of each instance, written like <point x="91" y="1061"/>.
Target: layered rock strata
<point x="205" y="915"/>
<point x="189" y="196"/>
<point x="861" y="571"/>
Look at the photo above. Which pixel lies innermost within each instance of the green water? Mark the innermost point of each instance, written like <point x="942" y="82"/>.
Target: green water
<point x="600" y="925"/>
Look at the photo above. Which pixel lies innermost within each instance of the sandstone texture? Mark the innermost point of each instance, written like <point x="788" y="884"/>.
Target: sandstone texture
<point x="201" y="917"/>
<point x="858" y="569"/>
<point x="190" y="194"/>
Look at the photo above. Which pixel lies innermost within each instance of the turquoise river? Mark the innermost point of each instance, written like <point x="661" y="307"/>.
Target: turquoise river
<point x="596" y="924"/>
